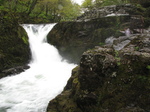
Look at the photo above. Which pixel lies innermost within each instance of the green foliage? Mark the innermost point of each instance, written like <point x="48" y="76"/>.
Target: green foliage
<point x="25" y="40"/>
<point x="1" y="2"/>
<point x="101" y="43"/>
<point x="87" y="4"/>
<point x="148" y="67"/>
<point x="99" y="3"/>
<point x="110" y="2"/>
<point x="117" y="58"/>
<point x="46" y="10"/>
<point x="144" y="79"/>
<point x="136" y="48"/>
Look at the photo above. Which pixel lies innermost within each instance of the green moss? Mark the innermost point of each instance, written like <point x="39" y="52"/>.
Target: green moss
<point x="14" y="50"/>
<point x="75" y="80"/>
<point x="25" y="40"/>
<point x="148" y="67"/>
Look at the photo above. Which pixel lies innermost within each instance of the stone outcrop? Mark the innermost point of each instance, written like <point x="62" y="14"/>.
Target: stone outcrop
<point x="14" y="71"/>
<point x="14" y="48"/>
<point x="93" y="27"/>
<point x="108" y="80"/>
<point x="114" y="10"/>
<point x="73" y="38"/>
<point x="139" y="14"/>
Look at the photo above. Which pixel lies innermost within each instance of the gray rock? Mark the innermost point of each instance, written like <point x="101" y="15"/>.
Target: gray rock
<point x="15" y="70"/>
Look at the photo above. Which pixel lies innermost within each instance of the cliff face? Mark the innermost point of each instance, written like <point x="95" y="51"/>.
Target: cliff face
<point x="14" y="48"/>
<point x="93" y="27"/>
<point x="109" y="80"/>
<point x="73" y="38"/>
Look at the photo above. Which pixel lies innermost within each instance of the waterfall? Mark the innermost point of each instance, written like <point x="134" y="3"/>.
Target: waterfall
<point x="31" y="91"/>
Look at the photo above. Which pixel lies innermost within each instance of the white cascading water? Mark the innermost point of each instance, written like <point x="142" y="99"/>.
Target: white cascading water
<point x="30" y="91"/>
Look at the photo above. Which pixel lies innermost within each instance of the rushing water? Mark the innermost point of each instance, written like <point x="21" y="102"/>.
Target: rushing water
<point x="30" y="91"/>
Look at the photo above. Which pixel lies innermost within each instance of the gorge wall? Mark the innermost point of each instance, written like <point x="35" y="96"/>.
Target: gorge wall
<point x="93" y="27"/>
<point x="109" y="78"/>
<point x="14" y="48"/>
<point x="73" y="38"/>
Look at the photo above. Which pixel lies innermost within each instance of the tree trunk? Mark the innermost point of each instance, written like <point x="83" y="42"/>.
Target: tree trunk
<point x="32" y="6"/>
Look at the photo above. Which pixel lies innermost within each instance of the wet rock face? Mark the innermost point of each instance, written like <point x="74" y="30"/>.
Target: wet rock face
<point x="14" y="49"/>
<point x="109" y="81"/>
<point x="137" y="55"/>
<point x="14" y="71"/>
<point x="94" y="66"/>
<point x="131" y="109"/>
<point x="73" y="38"/>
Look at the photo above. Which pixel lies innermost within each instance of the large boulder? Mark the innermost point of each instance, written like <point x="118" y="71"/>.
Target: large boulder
<point x="109" y="80"/>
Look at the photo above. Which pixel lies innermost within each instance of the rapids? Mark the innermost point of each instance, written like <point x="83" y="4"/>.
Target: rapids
<point x="31" y="91"/>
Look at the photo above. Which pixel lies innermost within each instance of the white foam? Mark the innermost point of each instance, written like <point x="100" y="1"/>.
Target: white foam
<point x="31" y="90"/>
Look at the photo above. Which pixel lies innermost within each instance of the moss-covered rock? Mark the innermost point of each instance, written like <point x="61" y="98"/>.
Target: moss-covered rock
<point x="94" y="26"/>
<point x="14" y="49"/>
<point x="109" y="80"/>
<point x="73" y="38"/>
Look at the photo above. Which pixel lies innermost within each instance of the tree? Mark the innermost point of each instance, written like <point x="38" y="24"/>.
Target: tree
<point x="1" y="2"/>
<point x="57" y="10"/>
<point x="46" y="10"/>
<point x="100" y="3"/>
<point x="32" y="6"/>
<point x="87" y="4"/>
